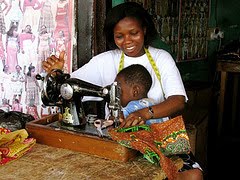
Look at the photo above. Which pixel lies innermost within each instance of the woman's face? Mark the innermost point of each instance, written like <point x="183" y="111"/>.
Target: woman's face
<point x="129" y="36"/>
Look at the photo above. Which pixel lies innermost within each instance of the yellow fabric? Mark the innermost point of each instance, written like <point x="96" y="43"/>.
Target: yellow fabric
<point x="18" y="135"/>
<point x="15" y="144"/>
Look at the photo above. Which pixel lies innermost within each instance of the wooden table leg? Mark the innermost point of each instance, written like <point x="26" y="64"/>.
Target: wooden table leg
<point x="234" y="100"/>
<point x="221" y="101"/>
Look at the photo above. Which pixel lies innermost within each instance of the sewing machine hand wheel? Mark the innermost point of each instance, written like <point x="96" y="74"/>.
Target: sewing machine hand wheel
<point x="51" y="86"/>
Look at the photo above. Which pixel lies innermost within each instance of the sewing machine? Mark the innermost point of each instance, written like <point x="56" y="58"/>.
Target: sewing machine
<point x="69" y="128"/>
<point x="59" y="89"/>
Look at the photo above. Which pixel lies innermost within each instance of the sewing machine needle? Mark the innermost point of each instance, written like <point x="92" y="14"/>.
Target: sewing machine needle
<point x="99" y="130"/>
<point x="98" y="125"/>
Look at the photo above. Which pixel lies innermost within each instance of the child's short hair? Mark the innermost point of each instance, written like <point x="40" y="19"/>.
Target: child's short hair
<point x="137" y="74"/>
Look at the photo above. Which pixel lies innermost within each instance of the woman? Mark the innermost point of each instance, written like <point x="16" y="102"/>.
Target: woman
<point x="31" y="87"/>
<point x="46" y="18"/>
<point x="2" y="21"/>
<point x="18" y="79"/>
<point x="2" y="52"/>
<point x="31" y="13"/>
<point x="130" y="30"/>
<point x="62" y="18"/>
<point x="43" y="47"/>
<point x="14" y="12"/>
<point x="26" y="40"/>
<point x="12" y="47"/>
<point x="6" y="83"/>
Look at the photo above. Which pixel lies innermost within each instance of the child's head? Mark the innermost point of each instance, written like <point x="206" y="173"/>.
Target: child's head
<point x="135" y="82"/>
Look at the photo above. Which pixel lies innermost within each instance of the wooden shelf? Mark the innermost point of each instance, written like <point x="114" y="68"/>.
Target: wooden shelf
<point x="225" y="67"/>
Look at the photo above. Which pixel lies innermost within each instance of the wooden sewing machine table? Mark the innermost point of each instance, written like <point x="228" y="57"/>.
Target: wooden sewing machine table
<point x="48" y="131"/>
<point x="64" y="154"/>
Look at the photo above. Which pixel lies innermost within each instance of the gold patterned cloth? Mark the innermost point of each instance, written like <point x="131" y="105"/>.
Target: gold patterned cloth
<point x="14" y="145"/>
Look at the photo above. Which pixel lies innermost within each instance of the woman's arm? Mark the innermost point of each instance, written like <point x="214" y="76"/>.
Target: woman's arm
<point x="53" y="62"/>
<point x="170" y="107"/>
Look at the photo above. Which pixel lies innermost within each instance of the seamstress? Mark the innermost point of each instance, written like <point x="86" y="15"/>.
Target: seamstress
<point x="130" y="32"/>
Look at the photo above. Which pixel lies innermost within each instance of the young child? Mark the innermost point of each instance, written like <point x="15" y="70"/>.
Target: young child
<point x="32" y="109"/>
<point x="5" y="105"/>
<point x="45" y="110"/>
<point x="16" y="106"/>
<point x="135" y="82"/>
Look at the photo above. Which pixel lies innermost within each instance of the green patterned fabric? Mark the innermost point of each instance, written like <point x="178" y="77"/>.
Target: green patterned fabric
<point x="169" y="137"/>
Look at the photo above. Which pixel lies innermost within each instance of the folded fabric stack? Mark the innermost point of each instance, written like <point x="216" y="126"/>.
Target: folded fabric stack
<point x="14" y="145"/>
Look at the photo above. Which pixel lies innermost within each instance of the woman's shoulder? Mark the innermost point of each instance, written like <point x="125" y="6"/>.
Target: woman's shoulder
<point x="109" y="53"/>
<point x="154" y="50"/>
<point x="160" y="54"/>
<point x="108" y="56"/>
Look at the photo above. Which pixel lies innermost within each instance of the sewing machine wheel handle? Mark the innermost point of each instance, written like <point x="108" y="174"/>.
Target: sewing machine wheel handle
<point x="39" y="77"/>
<point x="50" y="85"/>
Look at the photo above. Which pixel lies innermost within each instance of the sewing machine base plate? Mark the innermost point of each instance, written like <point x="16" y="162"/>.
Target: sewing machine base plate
<point x="48" y="131"/>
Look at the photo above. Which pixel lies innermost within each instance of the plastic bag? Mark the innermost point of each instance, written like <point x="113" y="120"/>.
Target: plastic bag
<point x="14" y="120"/>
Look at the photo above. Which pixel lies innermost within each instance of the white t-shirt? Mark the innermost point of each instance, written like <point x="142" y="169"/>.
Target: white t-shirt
<point x="102" y="69"/>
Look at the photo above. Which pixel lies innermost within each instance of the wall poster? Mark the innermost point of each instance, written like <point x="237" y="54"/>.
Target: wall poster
<point x="31" y="31"/>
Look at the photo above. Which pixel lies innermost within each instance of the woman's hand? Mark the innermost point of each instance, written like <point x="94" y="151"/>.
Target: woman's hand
<point x="53" y="62"/>
<point x="133" y="119"/>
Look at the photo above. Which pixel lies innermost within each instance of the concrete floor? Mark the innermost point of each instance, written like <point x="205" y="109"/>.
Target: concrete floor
<point x="44" y="162"/>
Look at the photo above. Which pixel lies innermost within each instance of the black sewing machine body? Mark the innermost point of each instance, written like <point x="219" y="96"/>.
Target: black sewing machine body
<point x="59" y="89"/>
